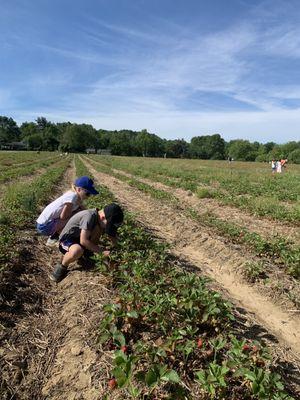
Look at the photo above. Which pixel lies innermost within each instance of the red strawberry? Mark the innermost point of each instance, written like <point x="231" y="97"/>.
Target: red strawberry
<point x="112" y="384"/>
<point x="199" y="343"/>
<point x="124" y="349"/>
<point x="246" y="347"/>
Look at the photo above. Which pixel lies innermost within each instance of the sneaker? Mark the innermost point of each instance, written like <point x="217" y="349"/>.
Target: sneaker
<point x="51" y="242"/>
<point x="59" y="273"/>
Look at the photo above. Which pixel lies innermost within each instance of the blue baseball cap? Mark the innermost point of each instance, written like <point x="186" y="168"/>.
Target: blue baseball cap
<point x="86" y="183"/>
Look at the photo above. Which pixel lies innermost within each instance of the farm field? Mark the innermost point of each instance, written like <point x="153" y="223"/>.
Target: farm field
<point x="200" y="245"/>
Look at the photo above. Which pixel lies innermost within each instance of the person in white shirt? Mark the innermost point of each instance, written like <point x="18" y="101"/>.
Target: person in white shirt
<point x="55" y="216"/>
<point x="278" y="167"/>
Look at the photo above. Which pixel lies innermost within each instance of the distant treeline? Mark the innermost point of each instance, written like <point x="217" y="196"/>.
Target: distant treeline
<point x="66" y="136"/>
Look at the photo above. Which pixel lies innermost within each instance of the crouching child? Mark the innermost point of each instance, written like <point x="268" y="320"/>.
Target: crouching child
<point x="82" y="233"/>
<point x="55" y="216"/>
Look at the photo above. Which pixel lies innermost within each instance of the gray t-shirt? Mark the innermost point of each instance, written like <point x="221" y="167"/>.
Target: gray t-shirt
<point x="86" y="219"/>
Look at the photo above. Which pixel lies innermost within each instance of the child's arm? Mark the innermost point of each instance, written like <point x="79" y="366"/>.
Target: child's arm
<point x="87" y="243"/>
<point x="66" y="212"/>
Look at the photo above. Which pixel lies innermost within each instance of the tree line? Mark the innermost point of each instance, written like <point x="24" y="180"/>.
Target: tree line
<point x="66" y="136"/>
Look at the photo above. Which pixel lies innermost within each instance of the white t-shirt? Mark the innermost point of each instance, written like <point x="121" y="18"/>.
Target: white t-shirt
<point x="54" y="209"/>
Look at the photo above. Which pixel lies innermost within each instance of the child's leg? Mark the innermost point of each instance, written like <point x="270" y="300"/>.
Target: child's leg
<point x="74" y="253"/>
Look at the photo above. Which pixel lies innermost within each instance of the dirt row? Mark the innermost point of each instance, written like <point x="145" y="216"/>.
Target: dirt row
<point x="267" y="228"/>
<point x="211" y="255"/>
<point x="48" y="335"/>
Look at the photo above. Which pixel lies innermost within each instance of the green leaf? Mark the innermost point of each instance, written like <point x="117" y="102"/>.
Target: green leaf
<point x="151" y="378"/>
<point x="171" y="376"/>
<point x="132" y="314"/>
<point x="200" y="376"/>
<point x="119" y="338"/>
<point x="120" y="357"/>
<point x="120" y="376"/>
<point x="104" y="338"/>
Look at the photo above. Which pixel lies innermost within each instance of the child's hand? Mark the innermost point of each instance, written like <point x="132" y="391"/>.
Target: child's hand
<point x="106" y="253"/>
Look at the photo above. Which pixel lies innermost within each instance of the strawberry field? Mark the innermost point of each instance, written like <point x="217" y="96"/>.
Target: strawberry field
<point x="165" y="331"/>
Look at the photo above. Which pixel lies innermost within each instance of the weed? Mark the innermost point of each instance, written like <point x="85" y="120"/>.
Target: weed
<point x="254" y="270"/>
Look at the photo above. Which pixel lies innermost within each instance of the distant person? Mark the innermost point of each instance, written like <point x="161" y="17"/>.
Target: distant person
<point x="81" y="235"/>
<point x="283" y="164"/>
<point x="55" y="216"/>
<point x="278" y="167"/>
<point x="273" y="166"/>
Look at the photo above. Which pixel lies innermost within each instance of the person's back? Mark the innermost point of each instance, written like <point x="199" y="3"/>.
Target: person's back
<point x="85" y="219"/>
<point x="53" y="210"/>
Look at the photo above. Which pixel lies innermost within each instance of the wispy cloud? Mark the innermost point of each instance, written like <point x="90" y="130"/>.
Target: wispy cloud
<point x="165" y="75"/>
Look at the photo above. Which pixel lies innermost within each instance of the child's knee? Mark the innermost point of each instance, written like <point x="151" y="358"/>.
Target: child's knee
<point x="76" y="250"/>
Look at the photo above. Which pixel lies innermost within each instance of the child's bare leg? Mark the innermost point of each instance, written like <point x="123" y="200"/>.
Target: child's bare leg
<point x="74" y="253"/>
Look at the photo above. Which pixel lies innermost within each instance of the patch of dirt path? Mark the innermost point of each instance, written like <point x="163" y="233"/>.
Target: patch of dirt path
<point x="214" y="258"/>
<point x="265" y="227"/>
<point x="48" y="332"/>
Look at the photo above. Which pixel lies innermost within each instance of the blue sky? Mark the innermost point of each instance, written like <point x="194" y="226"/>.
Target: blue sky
<point x="179" y="68"/>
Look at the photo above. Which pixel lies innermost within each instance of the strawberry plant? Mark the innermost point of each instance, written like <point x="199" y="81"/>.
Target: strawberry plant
<point x="170" y="333"/>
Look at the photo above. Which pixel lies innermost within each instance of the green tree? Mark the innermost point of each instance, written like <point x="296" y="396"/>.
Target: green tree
<point x="62" y="126"/>
<point x="149" y="145"/>
<point x="9" y="130"/>
<point x="242" y="150"/>
<point x="294" y="156"/>
<point x="269" y="146"/>
<point x="276" y="153"/>
<point x="122" y="143"/>
<point x="178" y="148"/>
<point x="78" y="137"/>
<point x="72" y="139"/>
<point x="42" y="123"/>
<point x="208" y="147"/>
<point x="50" y="138"/>
<point x="34" y="141"/>
<point x="28" y="129"/>
<point x="104" y="139"/>
<point x="289" y="147"/>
